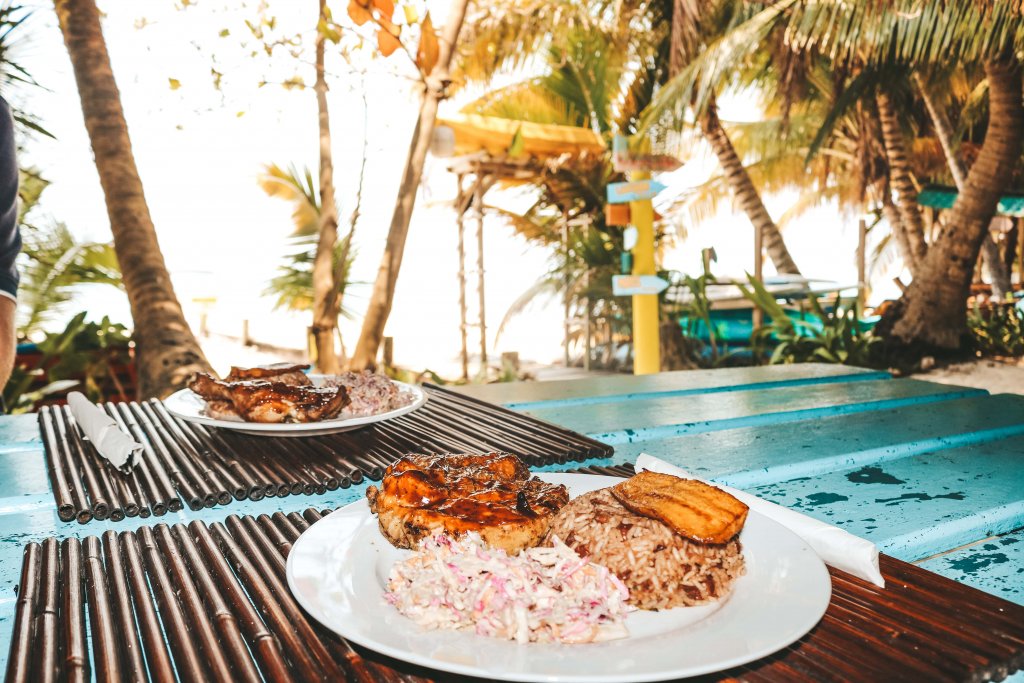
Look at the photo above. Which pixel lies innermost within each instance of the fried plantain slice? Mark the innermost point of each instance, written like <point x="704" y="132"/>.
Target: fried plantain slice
<point x="691" y="508"/>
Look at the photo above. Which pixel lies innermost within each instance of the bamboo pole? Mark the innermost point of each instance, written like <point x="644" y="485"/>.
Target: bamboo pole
<point x="158" y="658"/>
<point x="106" y="648"/>
<point x="124" y="618"/>
<point x="302" y="646"/>
<point x="220" y="642"/>
<point x="76" y="656"/>
<point x="189" y="659"/>
<point x="67" y="505"/>
<point x="201" y="547"/>
<point x="46" y="664"/>
<point x="19" y="661"/>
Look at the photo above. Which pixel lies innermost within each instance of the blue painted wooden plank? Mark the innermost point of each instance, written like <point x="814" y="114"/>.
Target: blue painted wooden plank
<point x="753" y="456"/>
<point x="995" y="565"/>
<point x="644" y="419"/>
<point x="596" y="389"/>
<point x="19" y="433"/>
<point x="22" y="473"/>
<point x="918" y="506"/>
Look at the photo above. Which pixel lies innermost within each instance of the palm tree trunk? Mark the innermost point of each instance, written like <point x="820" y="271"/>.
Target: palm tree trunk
<point x="997" y="271"/>
<point x="900" y="176"/>
<point x="932" y="312"/>
<point x="745" y="192"/>
<point x="943" y="130"/>
<point x="325" y="287"/>
<point x="167" y="353"/>
<point x="892" y="215"/>
<point x="372" y="332"/>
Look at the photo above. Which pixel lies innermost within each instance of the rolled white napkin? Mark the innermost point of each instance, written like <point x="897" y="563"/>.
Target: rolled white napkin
<point x="110" y="442"/>
<point x="837" y="548"/>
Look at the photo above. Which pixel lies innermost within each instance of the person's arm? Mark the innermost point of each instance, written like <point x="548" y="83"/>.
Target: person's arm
<point x="10" y="242"/>
<point x="8" y="344"/>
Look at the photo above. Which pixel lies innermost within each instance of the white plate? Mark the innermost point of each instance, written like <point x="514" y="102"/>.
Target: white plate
<point x="338" y="567"/>
<point x="189" y="406"/>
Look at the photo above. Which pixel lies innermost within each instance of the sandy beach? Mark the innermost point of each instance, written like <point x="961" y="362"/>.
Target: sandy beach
<point x="998" y="377"/>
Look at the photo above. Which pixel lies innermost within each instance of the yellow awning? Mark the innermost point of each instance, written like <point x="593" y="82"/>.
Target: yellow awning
<point x="475" y="133"/>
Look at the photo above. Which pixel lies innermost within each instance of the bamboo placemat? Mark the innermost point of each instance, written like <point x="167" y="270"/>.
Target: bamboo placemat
<point x="189" y="464"/>
<point x="203" y="602"/>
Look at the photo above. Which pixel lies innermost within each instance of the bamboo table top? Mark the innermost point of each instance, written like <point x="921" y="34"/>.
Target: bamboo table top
<point x="933" y="474"/>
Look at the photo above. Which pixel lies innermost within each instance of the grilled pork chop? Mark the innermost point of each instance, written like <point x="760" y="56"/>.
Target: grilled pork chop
<point x="289" y="373"/>
<point x="492" y="494"/>
<point x="266" y="401"/>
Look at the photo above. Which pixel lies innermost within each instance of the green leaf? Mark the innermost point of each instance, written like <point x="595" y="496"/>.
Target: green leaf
<point x="518" y="145"/>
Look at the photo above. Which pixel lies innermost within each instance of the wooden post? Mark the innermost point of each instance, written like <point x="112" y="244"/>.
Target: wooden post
<point x="586" y="309"/>
<point x="862" y="285"/>
<point x="646" y="344"/>
<point x="389" y="352"/>
<point x="246" y="339"/>
<point x="758" y="314"/>
<point x="566" y="299"/>
<point x="510" y="364"/>
<point x="478" y="198"/>
<point x="461" y="205"/>
<point x="1020" y="247"/>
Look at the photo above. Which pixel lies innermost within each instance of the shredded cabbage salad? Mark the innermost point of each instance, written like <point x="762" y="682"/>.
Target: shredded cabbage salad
<point x="369" y="393"/>
<point x="542" y="595"/>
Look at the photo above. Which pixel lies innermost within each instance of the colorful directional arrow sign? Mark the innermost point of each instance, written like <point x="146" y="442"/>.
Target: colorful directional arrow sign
<point x="632" y="285"/>
<point x="620" y="193"/>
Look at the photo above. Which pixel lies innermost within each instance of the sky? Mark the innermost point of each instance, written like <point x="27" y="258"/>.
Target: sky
<point x="199" y="152"/>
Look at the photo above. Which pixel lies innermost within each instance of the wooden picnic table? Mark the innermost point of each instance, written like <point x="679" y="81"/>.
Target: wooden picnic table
<point x="933" y="474"/>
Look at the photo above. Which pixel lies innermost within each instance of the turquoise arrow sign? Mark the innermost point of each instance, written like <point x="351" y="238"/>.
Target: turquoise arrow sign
<point x="631" y="285"/>
<point x="620" y="193"/>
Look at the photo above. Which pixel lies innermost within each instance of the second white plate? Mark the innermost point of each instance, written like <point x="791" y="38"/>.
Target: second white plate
<point x="189" y="406"/>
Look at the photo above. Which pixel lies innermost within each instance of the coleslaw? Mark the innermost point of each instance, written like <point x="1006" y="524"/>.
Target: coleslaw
<point x="541" y="595"/>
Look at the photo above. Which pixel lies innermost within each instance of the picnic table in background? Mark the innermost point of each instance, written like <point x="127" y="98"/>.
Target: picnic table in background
<point x="931" y="473"/>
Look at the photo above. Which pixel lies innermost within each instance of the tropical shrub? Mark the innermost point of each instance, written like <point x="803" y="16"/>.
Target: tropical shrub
<point x="996" y="329"/>
<point x="94" y="358"/>
<point x="837" y="336"/>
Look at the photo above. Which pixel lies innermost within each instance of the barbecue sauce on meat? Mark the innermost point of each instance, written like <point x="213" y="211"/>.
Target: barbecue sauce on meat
<point x="473" y="491"/>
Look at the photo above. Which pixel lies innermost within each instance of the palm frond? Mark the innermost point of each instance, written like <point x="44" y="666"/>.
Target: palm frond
<point x="548" y="286"/>
<point x="505" y="35"/>
<point x="530" y="101"/>
<point x="53" y="264"/>
<point x="296" y="187"/>
<point x="292" y="287"/>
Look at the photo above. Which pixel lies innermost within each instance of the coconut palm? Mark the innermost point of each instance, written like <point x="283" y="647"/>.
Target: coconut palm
<point x="293" y="286"/>
<point x="509" y="38"/>
<point x="932" y="312"/>
<point x="167" y="352"/>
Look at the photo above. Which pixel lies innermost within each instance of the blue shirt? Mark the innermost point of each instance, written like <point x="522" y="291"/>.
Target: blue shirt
<point x="10" y="237"/>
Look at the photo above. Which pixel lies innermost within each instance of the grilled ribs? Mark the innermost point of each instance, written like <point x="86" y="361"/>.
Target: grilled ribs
<point x="268" y="401"/>
<point x="492" y="494"/>
<point x="289" y="373"/>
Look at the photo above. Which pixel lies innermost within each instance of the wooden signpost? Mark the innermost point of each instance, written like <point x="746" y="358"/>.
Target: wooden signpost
<point x="643" y="285"/>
